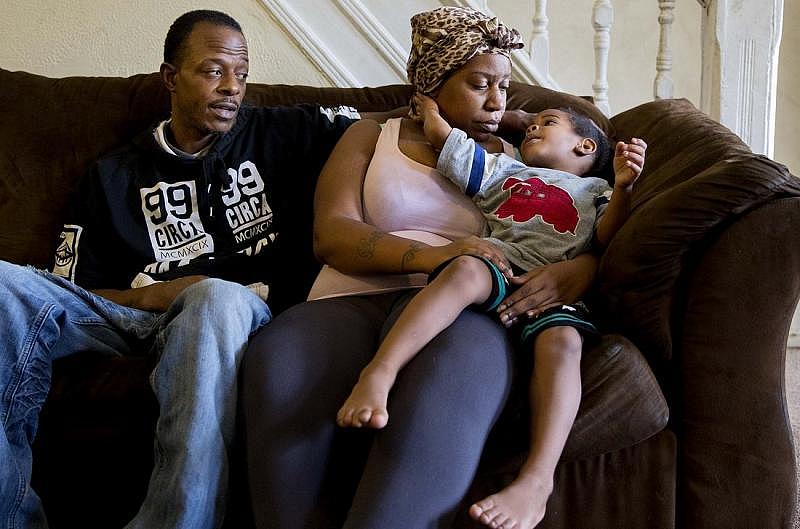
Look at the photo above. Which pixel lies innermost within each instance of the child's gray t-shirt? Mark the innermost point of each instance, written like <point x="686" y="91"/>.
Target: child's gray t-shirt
<point x="536" y="215"/>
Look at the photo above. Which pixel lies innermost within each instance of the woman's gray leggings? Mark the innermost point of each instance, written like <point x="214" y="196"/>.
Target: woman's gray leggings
<point x="305" y="472"/>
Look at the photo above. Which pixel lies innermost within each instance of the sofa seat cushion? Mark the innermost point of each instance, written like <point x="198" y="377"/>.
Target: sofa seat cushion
<point x="621" y="405"/>
<point x="633" y="487"/>
<point x="99" y="420"/>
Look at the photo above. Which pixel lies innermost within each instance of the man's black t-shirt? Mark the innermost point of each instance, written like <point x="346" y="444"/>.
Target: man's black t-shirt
<point x="243" y="212"/>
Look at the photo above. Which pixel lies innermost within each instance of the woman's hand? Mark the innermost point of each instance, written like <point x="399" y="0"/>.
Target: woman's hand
<point x="471" y="245"/>
<point x="548" y="286"/>
<point x="515" y="122"/>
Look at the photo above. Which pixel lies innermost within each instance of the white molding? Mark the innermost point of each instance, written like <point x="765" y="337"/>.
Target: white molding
<point x="525" y="71"/>
<point x="663" y="86"/>
<point x="480" y="5"/>
<point x="744" y="109"/>
<point x="377" y="35"/>
<point x="310" y="45"/>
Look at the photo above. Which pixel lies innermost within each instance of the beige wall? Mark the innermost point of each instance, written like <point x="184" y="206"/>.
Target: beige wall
<point x="120" y="37"/>
<point x="124" y="37"/>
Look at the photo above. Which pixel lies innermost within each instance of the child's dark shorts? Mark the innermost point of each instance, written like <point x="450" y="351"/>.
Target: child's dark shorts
<point x="527" y="329"/>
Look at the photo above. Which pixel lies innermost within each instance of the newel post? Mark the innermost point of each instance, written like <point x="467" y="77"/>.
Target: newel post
<point x="741" y="41"/>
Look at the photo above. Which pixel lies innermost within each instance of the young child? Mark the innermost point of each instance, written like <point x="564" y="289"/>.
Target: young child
<point x="539" y="212"/>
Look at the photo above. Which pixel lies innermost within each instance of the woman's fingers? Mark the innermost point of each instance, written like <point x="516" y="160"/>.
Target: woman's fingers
<point x="523" y="302"/>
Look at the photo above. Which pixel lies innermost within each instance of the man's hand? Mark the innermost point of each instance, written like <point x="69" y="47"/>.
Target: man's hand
<point x="159" y="296"/>
<point x="156" y="297"/>
<point x="628" y="162"/>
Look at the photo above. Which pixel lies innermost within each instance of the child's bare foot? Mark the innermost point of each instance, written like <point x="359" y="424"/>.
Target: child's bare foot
<point x="366" y="405"/>
<point x="521" y="505"/>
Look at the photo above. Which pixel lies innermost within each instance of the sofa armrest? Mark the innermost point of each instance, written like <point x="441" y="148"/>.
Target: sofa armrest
<point x="735" y="449"/>
<point x="698" y="179"/>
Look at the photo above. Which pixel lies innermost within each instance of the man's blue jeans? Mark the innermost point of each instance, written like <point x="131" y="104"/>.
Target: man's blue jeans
<point x="199" y="340"/>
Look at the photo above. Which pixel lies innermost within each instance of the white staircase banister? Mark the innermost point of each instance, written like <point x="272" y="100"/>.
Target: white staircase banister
<point x="663" y="86"/>
<point x="602" y="19"/>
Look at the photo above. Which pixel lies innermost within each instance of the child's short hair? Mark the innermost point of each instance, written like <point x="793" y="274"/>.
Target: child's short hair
<point x="585" y="127"/>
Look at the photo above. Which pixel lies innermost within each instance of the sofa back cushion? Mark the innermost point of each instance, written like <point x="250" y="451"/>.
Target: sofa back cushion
<point x="53" y="129"/>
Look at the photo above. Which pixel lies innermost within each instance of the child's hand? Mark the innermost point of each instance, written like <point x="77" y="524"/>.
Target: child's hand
<point x="628" y="162"/>
<point x="424" y="107"/>
<point x="426" y="113"/>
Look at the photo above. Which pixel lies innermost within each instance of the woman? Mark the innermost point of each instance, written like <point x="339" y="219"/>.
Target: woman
<point x="384" y="218"/>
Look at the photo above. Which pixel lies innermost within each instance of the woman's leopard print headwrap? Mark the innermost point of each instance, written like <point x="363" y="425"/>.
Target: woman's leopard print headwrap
<point x="445" y="39"/>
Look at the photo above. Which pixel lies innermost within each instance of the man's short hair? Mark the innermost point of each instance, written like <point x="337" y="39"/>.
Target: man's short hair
<point x="585" y="127"/>
<point x="180" y="30"/>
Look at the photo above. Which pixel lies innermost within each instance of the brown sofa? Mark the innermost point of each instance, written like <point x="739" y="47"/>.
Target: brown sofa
<point x="683" y="421"/>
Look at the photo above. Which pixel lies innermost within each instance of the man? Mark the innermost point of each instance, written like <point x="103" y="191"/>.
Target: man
<point x="176" y="241"/>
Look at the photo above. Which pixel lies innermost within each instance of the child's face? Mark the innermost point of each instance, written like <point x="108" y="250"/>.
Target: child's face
<point x="552" y="142"/>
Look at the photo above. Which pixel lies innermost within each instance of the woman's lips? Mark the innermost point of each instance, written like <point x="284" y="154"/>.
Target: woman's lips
<point x="487" y="126"/>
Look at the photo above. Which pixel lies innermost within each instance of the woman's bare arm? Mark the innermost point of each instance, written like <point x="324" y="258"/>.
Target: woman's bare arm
<point x="341" y="237"/>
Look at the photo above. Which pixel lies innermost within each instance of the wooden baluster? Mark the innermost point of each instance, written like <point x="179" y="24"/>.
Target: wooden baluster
<point x="539" y="46"/>
<point x="663" y="86"/>
<point x="602" y="18"/>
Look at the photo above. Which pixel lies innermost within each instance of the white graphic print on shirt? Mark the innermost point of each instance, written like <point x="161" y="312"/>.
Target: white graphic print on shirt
<point x="67" y="251"/>
<point x="173" y="221"/>
<point x="247" y="211"/>
<point x="176" y="230"/>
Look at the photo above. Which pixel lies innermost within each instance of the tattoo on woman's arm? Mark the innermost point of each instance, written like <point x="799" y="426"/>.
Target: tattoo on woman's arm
<point x="366" y="247"/>
<point x="409" y="255"/>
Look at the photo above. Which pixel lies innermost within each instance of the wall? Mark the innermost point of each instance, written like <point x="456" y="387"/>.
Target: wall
<point x="120" y="37"/>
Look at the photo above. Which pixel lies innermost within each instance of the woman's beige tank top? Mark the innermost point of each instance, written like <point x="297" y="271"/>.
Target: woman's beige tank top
<point x="409" y="199"/>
